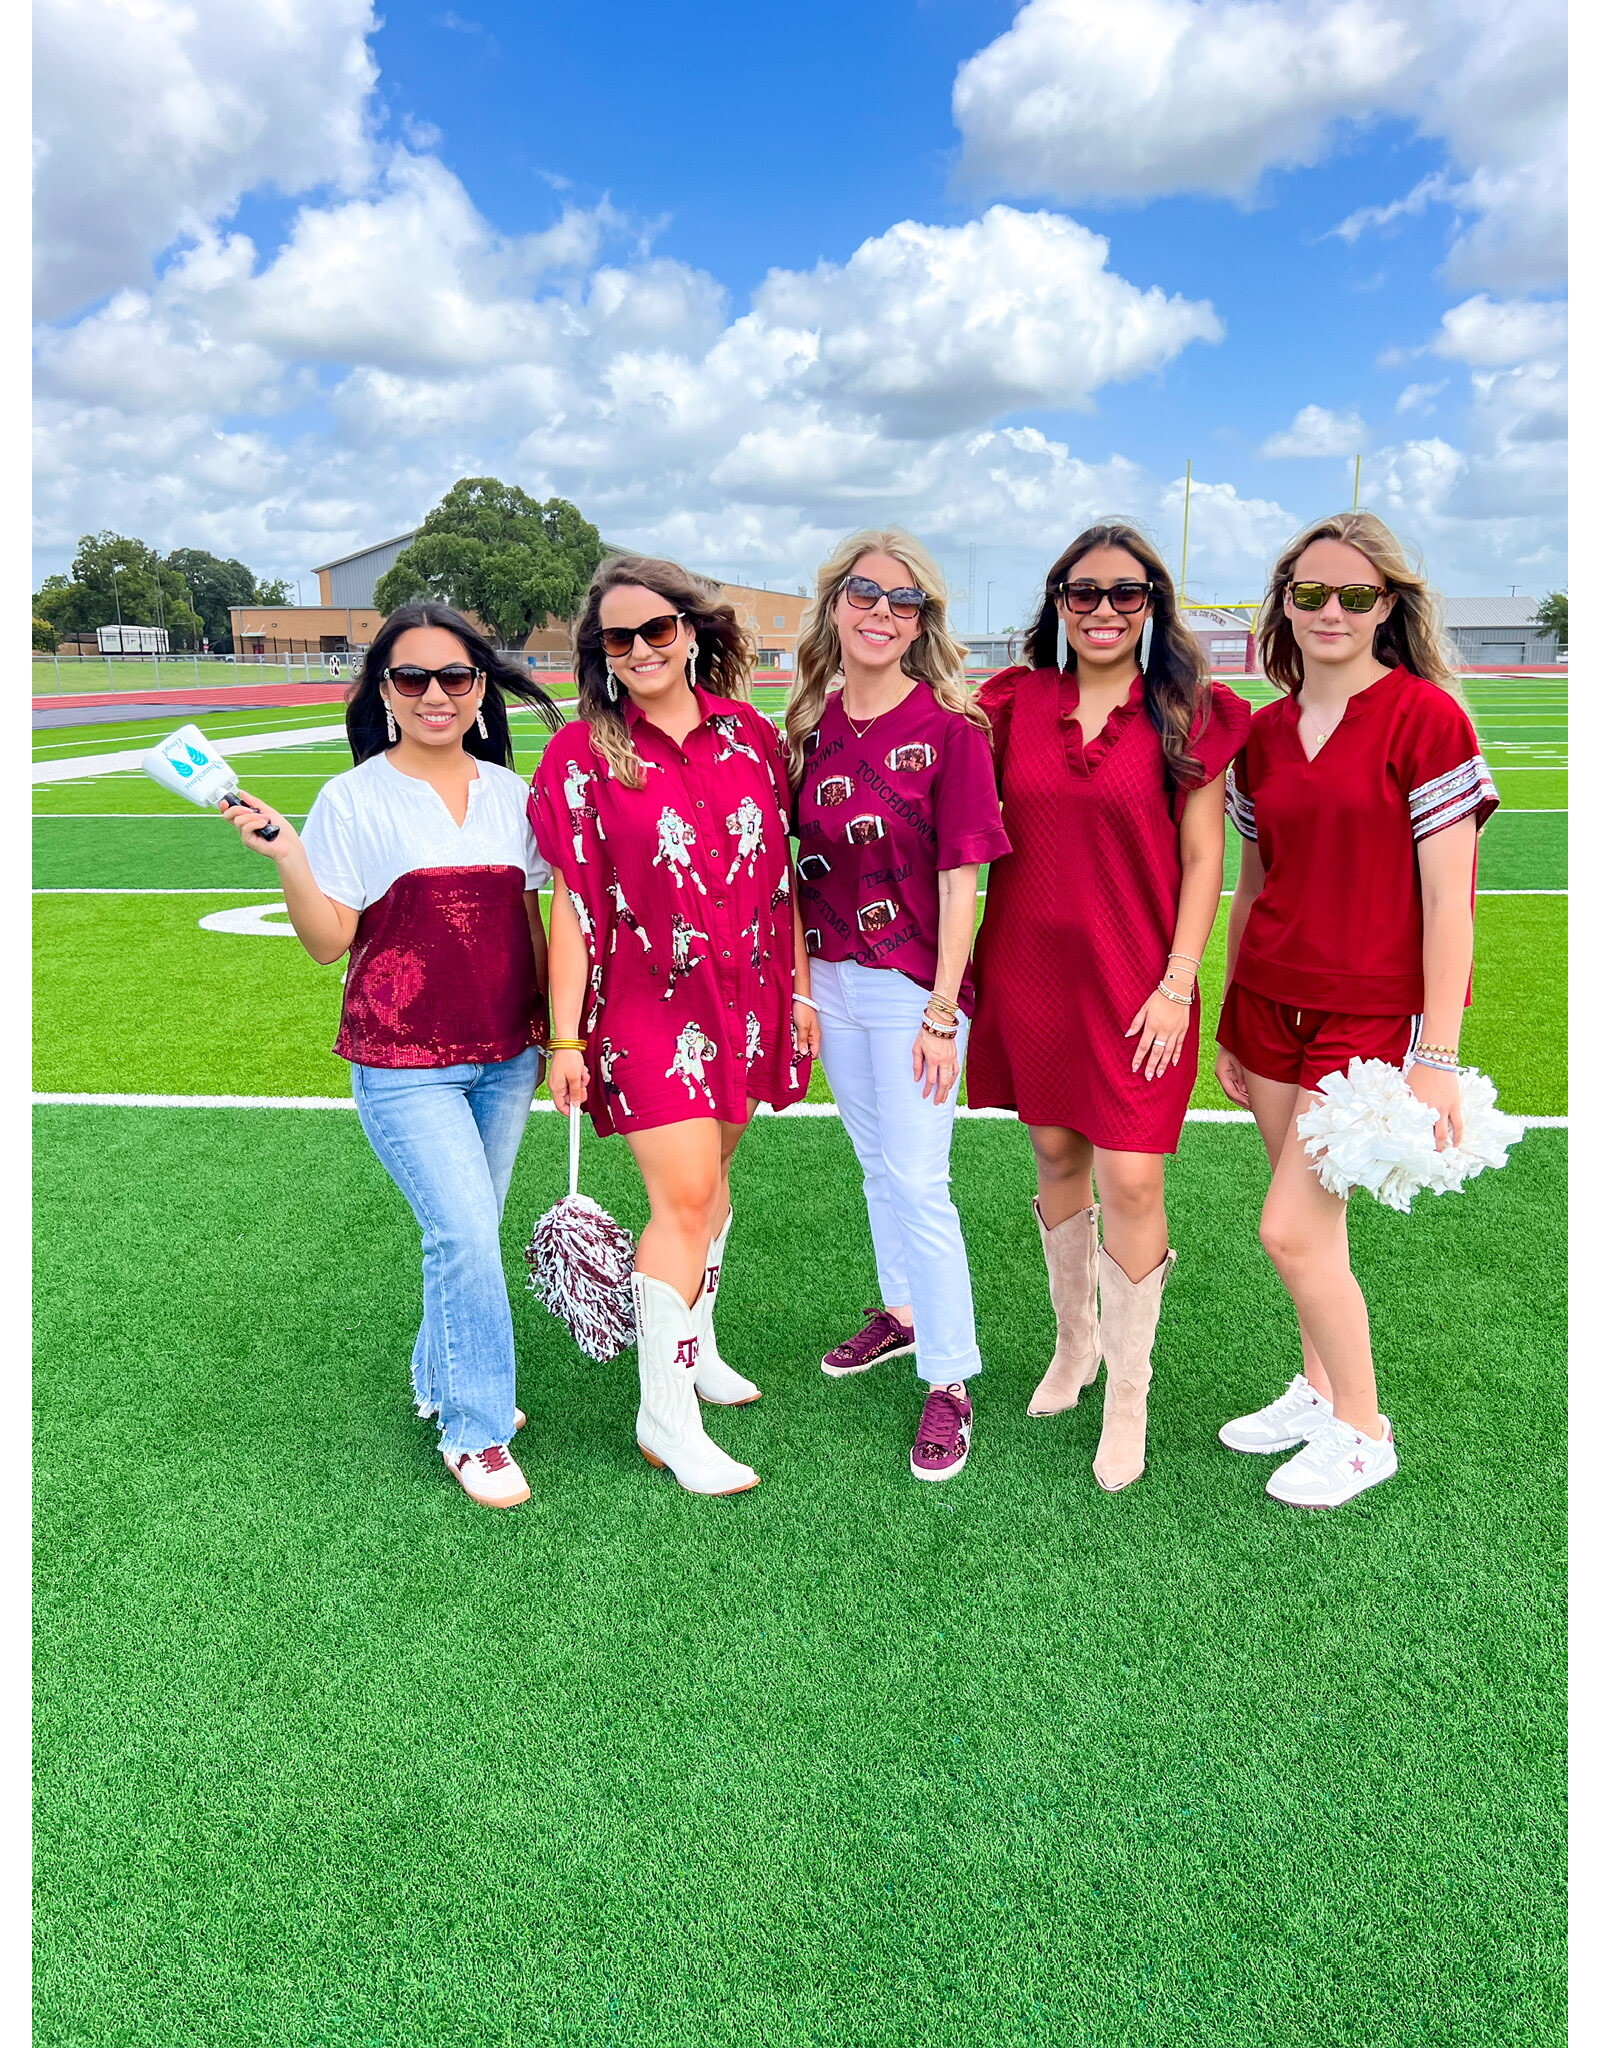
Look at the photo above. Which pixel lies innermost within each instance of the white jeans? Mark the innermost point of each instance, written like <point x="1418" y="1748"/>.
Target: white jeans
<point x="870" y="1020"/>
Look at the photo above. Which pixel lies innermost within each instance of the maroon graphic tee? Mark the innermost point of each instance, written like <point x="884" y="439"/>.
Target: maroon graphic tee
<point x="878" y="817"/>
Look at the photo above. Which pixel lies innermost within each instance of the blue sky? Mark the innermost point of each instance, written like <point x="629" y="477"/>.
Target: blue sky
<point x="374" y="257"/>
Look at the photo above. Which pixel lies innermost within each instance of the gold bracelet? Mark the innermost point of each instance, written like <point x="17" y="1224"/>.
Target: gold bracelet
<point x="566" y="1044"/>
<point x="941" y="1005"/>
<point x="1440" y="1052"/>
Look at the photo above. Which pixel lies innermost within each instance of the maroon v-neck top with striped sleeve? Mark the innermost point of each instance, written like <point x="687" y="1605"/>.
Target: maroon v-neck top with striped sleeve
<point x="1079" y="919"/>
<point x="1338" y="923"/>
<point x="442" y="969"/>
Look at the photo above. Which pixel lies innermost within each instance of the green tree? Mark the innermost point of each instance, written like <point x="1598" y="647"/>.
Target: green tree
<point x="114" y="577"/>
<point x="490" y="549"/>
<point x="1551" y="617"/>
<point x="45" y="637"/>
<point x="274" y="592"/>
<point x="214" y="585"/>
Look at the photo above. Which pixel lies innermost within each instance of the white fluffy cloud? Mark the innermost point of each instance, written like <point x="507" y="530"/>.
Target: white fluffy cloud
<point x="1315" y="430"/>
<point x="1077" y="101"/>
<point x="1494" y="332"/>
<point x="152" y="120"/>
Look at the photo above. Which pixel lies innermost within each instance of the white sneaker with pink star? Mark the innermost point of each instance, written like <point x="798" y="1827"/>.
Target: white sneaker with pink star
<point x="1336" y="1464"/>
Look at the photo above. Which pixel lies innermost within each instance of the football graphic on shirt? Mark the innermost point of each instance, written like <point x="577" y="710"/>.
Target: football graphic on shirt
<point x="813" y="939"/>
<point x="812" y="867"/>
<point x="745" y="824"/>
<point x="878" y="916"/>
<point x="862" y="831"/>
<point x="689" y="1060"/>
<point x="686" y="956"/>
<point x="674" y="837"/>
<point x="726" y="727"/>
<point x="835" y="789"/>
<point x="910" y="760"/>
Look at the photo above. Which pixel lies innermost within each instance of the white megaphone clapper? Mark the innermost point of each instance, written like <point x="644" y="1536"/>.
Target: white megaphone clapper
<point x="186" y="763"/>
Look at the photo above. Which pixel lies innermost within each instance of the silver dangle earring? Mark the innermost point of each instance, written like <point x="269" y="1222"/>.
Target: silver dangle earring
<point x="388" y="719"/>
<point x="483" y="730"/>
<point x="689" y="666"/>
<point x="611" y="684"/>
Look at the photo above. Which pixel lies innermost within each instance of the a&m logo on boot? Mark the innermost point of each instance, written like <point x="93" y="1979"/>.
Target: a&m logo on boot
<point x="688" y="1353"/>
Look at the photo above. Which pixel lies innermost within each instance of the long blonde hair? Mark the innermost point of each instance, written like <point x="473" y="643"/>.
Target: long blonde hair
<point x="723" y="660"/>
<point x="1412" y="636"/>
<point x="935" y="657"/>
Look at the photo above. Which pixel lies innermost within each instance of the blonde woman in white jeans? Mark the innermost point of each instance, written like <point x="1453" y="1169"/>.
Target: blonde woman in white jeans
<point x="895" y="813"/>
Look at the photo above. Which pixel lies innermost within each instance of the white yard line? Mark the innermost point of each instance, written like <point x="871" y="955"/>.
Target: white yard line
<point x="796" y="1109"/>
<point x="235" y="743"/>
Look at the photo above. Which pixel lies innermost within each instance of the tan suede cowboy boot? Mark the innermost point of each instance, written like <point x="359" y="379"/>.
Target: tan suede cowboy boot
<point x="1069" y="1257"/>
<point x="1129" y="1312"/>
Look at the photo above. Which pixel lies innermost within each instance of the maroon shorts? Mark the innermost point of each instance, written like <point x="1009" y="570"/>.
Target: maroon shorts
<point x="1281" y="1043"/>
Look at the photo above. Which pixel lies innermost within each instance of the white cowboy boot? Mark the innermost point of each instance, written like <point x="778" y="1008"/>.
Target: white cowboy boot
<point x="1129" y="1312"/>
<point x="671" y="1434"/>
<point x="1070" y="1248"/>
<point x="714" y="1379"/>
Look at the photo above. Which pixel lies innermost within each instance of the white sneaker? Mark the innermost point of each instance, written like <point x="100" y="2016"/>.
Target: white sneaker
<point x="1335" y="1465"/>
<point x="1283" y="1423"/>
<point x="492" y="1477"/>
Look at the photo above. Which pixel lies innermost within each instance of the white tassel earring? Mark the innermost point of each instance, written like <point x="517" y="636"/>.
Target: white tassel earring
<point x="388" y="719"/>
<point x="483" y="730"/>
<point x="611" y="684"/>
<point x="689" y="666"/>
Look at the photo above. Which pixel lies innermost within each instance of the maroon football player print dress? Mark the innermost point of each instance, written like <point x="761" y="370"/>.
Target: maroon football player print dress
<point x="682" y="892"/>
<point x="1079" y="918"/>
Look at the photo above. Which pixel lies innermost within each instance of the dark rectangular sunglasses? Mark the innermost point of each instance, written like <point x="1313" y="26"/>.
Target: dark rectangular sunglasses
<point x="455" y="679"/>
<point x="904" y="603"/>
<point x="1353" y="597"/>
<point x="1125" y="597"/>
<point x="658" y="632"/>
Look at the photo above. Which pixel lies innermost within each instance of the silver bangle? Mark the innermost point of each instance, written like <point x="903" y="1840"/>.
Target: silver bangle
<point x="1172" y="995"/>
<point x="1438" y="1066"/>
<point x="810" y="1005"/>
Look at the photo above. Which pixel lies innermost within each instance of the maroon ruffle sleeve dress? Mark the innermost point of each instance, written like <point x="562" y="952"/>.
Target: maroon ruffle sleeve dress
<point x="1080" y="915"/>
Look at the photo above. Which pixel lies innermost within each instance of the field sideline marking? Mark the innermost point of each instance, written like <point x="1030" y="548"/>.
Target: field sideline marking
<point x="795" y="1109"/>
<point x="236" y="743"/>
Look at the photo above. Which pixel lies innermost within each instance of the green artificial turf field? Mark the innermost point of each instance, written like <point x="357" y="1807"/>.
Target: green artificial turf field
<point x="329" y="1758"/>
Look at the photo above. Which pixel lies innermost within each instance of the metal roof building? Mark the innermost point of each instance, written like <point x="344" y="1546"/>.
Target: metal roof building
<point x="1489" y="631"/>
<point x="352" y="579"/>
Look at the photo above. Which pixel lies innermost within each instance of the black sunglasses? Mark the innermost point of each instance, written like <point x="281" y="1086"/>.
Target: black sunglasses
<point x="1353" y="597"/>
<point x="1125" y="597"/>
<point x="863" y="593"/>
<point x="455" y="679"/>
<point x="660" y="632"/>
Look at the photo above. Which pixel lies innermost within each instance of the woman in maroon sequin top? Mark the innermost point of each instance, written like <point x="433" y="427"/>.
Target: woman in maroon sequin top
<point x="664" y="812"/>
<point x="419" y="863"/>
<point x="1110" y="774"/>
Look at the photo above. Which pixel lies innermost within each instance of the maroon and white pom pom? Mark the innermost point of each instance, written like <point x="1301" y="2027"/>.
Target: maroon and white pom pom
<point x="581" y="1264"/>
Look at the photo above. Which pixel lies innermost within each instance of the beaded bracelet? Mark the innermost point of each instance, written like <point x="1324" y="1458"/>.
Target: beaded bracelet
<point x="1193" y="962"/>
<point x="1172" y="995"/>
<point x="1435" y="1053"/>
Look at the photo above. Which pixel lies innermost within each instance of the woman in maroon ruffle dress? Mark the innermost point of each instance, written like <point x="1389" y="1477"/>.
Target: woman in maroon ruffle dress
<point x="1089" y="953"/>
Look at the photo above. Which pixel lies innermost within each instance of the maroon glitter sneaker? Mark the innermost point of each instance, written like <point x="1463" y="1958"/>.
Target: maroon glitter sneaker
<point x="944" y="1435"/>
<point x="884" y="1336"/>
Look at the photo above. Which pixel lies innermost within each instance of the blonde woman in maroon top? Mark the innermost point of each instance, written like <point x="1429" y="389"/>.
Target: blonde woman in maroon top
<point x="1359" y="795"/>
<point x="674" y="977"/>
<point x="1110" y="764"/>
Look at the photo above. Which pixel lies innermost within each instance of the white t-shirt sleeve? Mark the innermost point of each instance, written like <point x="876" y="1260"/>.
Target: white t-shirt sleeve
<point x="534" y="864"/>
<point x="329" y="838"/>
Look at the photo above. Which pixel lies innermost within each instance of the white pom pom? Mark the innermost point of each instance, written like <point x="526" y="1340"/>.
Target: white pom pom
<point x="582" y="1261"/>
<point x="1365" y="1129"/>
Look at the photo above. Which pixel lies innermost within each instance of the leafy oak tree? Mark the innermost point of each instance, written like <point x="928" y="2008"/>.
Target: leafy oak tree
<point x="1551" y="617"/>
<point x="114" y="577"/>
<point x="490" y="549"/>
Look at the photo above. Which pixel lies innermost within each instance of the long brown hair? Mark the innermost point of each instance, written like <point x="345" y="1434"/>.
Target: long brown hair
<point x="1177" y="683"/>
<point x="1411" y="637"/>
<point x="724" y="658"/>
<point x="935" y="657"/>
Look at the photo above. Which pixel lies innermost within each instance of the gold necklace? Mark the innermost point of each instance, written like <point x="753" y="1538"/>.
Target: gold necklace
<point x="860" y="731"/>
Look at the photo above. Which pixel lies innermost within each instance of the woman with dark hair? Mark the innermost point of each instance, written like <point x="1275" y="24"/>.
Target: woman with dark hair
<point x="663" y="810"/>
<point x="1110" y="763"/>
<point x="419" y="863"/>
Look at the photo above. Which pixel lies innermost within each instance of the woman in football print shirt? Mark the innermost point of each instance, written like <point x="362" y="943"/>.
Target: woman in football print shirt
<point x="895" y="811"/>
<point x="1110" y="765"/>
<point x="1359" y="794"/>
<point x="663" y="810"/>
<point x="419" y="863"/>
